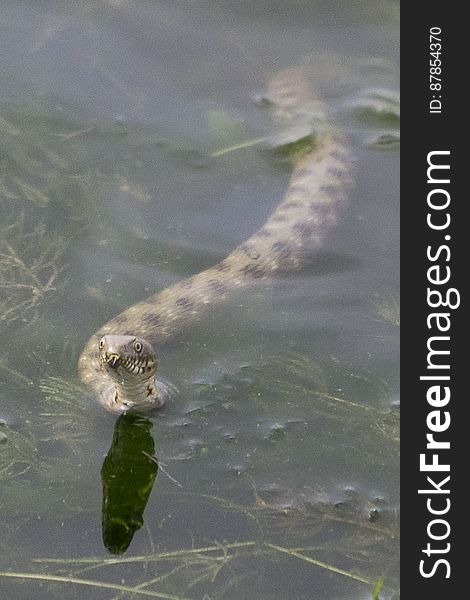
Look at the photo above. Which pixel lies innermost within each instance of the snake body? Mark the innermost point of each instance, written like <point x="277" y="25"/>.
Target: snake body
<point x="286" y="241"/>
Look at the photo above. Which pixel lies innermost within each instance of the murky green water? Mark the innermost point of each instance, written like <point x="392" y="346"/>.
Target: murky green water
<point x="278" y="453"/>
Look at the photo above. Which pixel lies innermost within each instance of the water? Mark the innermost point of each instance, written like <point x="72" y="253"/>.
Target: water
<point x="278" y="452"/>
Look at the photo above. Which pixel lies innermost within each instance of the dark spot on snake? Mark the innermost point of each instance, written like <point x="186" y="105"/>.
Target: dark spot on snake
<point x="282" y="249"/>
<point x="295" y="190"/>
<point x="222" y="266"/>
<point x="320" y="209"/>
<point x="328" y="189"/>
<point x="185" y="302"/>
<point x="279" y="218"/>
<point x="253" y="271"/>
<point x="215" y="285"/>
<point x="152" y="319"/>
<point x="335" y="172"/>
<point x="263" y="233"/>
<point x="120" y="319"/>
<point x="290" y="205"/>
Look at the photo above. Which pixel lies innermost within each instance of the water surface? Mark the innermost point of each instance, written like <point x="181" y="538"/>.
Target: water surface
<point x="278" y="452"/>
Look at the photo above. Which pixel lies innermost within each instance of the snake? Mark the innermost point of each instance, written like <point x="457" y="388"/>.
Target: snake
<point x="119" y="362"/>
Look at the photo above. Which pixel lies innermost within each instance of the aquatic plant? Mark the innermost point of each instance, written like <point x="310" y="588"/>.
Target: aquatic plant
<point x="64" y="413"/>
<point x="32" y="262"/>
<point x="221" y="567"/>
<point x="18" y="452"/>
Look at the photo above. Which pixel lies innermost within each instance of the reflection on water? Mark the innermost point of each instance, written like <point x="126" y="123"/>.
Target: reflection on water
<point x="132" y="156"/>
<point x="128" y="475"/>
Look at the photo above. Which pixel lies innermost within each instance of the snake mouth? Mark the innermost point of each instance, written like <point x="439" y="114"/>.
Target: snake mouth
<point x="112" y="360"/>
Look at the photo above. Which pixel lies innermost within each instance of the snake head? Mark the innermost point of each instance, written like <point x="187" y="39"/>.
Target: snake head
<point x="127" y="357"/>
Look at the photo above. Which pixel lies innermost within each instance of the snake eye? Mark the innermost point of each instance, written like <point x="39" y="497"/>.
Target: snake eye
<point x="137" y="346"/>
<point x="101" y="344"/>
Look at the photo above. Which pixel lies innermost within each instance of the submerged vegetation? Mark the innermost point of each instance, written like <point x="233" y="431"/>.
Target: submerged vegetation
<point x="281" y="537"/>
<point x="18" y="453"/>
<point x="348" y="536"/>
<point x="31" y="269"/>
<point x="189" y="568"/>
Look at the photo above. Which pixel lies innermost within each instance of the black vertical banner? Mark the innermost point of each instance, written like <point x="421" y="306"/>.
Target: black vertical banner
<point x="435" y="257"/>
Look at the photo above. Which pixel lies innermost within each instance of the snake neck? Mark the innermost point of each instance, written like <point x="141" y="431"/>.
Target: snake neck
<point x="131" y="395"/>
<point x="121" y="398"/>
